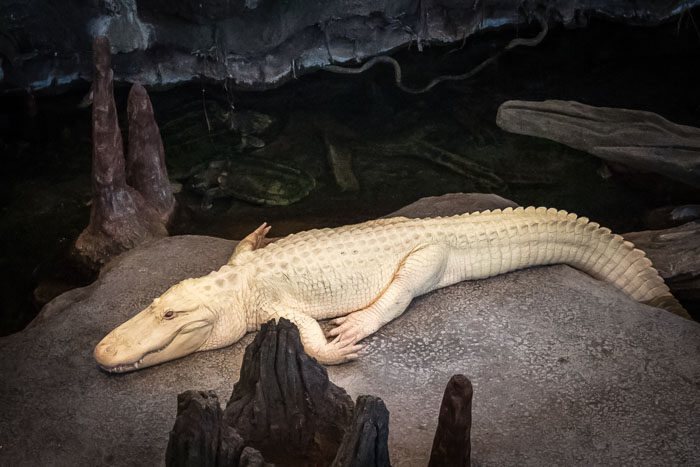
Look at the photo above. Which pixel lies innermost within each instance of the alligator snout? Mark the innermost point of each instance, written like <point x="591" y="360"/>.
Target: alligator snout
<point x="105" y="349"/>
<point x="107" y="352"/>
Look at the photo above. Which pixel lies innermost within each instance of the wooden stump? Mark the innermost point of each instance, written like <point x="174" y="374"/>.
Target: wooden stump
<point x="452" y="442"/>
<point x="120" y="218"/>
<point x="284" y="404"/>
<point x="199" y="437"/>
<point x="366" y="444"/>
<point x="145" y="161"/>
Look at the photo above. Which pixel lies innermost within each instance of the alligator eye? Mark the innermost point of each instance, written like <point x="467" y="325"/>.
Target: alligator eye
<point x="168" y="314"/>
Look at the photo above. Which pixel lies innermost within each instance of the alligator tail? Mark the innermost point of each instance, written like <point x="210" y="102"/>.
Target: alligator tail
<point x="611" y="258"/>
<point x="540" y="236"/>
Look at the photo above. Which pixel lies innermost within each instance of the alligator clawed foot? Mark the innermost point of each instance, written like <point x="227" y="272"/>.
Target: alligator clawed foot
<point x="257" y="239"/>
<point x="337" y="352"/>
<point x="348" y="329"/>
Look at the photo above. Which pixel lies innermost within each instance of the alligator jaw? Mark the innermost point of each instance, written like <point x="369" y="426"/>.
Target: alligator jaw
<point x="187" y="339"/>
<point x="121" y="368"/>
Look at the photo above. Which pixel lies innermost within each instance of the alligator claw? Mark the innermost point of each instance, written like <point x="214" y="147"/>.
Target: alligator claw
<point x="349" y="329"/>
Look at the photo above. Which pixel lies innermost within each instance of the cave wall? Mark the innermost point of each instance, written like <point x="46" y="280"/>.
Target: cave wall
<point x="45" y="44"/>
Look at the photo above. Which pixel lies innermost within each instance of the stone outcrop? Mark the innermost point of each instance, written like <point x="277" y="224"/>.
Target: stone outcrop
<point x="145" y="161"/>
<point x="256" y="43"/>
<point x="559" y="361"/>
<point x="283" y="403"/>
<point x="120" y="218"/>
<point x="634" y="138"/>
<point x="452" y="443"/>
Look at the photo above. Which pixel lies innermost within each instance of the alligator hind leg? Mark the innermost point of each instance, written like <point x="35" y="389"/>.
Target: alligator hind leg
<point x="419" y="273"/>
<point x="253" y="241"/>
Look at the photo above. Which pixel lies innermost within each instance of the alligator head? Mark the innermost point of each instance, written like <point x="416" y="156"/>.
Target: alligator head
<point x="178" y="323"/>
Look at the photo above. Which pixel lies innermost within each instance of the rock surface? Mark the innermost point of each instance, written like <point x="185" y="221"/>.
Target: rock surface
<point x="366" y="442"/>
<point x="452" y="443"/>
<point x="255" y="43"/>
<point x="284" y="404"/>
<point x="635" y="138"/>
<point x="568" y="371"/>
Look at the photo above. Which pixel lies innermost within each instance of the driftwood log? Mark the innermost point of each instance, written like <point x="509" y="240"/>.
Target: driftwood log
<point x="284" y="404"/>
<point x="675" y="253"/>
<point x="452" y="442"/>
<point x="634" y="138"/>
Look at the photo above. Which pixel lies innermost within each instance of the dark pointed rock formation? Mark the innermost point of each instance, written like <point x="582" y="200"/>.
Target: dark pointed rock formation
<point x="145" y="162"/>
<point x="284" y="404"/>
<point x="366" y="444"/>
<point x="199" y="438"/>
<point x="452" y="442"/>
<point x="119" y="217"/>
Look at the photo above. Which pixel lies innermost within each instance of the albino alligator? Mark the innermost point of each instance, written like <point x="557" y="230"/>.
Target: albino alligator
<point x="364" y="276"/>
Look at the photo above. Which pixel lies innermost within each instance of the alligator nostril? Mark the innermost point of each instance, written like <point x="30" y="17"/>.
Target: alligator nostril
<point x="108" y="349"/>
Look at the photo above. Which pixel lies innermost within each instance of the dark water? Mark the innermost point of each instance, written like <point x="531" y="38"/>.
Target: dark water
<point x="46" y="147"/>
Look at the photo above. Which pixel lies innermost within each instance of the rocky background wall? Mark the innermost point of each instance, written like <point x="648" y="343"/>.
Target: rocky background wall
<point x="257" y="43"/>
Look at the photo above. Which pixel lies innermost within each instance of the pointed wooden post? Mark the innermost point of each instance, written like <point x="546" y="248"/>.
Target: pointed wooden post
<point x="145" y="160"/>
<point x="452" y="442"/>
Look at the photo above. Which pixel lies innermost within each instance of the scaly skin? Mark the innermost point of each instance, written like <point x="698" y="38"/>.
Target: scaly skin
<point x="363" y="276"/>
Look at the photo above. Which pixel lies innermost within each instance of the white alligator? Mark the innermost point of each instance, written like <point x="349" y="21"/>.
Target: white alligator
<point x="363" y="276"/>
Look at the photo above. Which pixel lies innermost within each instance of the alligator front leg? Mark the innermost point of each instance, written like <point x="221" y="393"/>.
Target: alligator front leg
<point x="419" y="273"/>
<point x="315" y="343"/>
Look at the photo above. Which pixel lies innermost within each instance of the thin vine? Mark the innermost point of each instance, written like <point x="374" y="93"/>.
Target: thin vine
<point x="531" y="42"/>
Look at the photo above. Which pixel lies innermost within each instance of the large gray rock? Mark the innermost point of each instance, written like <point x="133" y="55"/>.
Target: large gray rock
<point x="257" y="43"/>
<point x="566" y="370"/>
